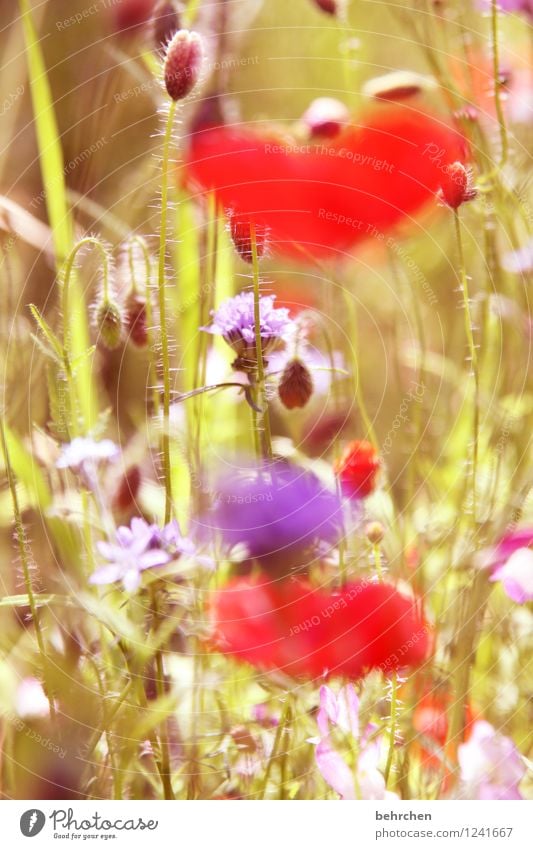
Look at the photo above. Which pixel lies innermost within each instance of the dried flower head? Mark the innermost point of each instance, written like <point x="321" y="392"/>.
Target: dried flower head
<point x="183" y="63"/>
<point x="457" y="186"/>
<point x="235" y="321"/>
<point x="296" y="385"/>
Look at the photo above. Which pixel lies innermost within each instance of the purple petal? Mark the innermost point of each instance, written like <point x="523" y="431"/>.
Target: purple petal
<point x="334" y="770"/>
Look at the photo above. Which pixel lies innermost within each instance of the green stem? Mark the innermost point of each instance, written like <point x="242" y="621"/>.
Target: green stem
<point x="263" y="419"/>
<point x="393" y="724"/>
<point x="166" y="778"/>
<point x="496" y="73"/>
<point x="473" y="358"/>
<point x="165" y="353"/>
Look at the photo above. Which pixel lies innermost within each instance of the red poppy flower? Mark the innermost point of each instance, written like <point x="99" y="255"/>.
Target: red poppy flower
<point x="358" y="468"/>
<point x="317" y="199"/>
<point x="300" y="630"/>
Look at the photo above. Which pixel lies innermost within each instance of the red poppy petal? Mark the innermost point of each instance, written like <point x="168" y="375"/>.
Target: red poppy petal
<point x="320" y="199"/>
<point x="304" y="631"/>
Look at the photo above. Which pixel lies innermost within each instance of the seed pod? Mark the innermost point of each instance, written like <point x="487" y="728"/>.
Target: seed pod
<point x="136" y="328"/>
<point x="166" y="22"/>
<point x="296" y="385"/>
<point x="241" y="235"/>
<point x="457" y="186"/>
<point x="183" y="63"/>
<point x="109" y="323"/>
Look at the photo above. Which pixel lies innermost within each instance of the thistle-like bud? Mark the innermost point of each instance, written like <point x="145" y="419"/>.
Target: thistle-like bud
<point x="136" y="327"/>
<point x="183" y="63"/>
<point x="296" y="385"/>
<point x="166" y="22"/>
<point x="109" y="322"/>
<point x="240" y="229"/>
<point x="457" y="186"/>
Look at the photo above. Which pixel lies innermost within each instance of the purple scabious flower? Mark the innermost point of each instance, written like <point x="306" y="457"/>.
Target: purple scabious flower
<point x="278" y="511"/>
<point x="136" y="548"/>
<point x="490" y="764"/>
<point x="235" y="322"/>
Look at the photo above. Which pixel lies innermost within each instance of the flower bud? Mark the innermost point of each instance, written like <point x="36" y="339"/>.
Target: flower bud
<point x="296" y="385"/>
<point x="241" y="235"/>
<point x="136" y="328"/>
<point x="331" y="7"/>
<point x="183" y="63"/>
<point x="166" y="21"/>
<point x="398" y="85"/>
<point x="374" y="532"/>
<point x="358" y="469"/>
<point x="243" y="739"/>
<point x="325" y="117"/>
<point x="108" y="322"/>
<point x="457" y="186"/>
<point x="125" y="495"/>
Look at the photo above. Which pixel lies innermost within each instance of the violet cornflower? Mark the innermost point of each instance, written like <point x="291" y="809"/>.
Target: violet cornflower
<point x="490" y="764"/>
<point x="234" y="320"/>
<point x="279" y="512"/>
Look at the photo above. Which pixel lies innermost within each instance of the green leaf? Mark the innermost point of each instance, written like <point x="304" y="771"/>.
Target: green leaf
<point x="27" y="471"/>
<point x="50" y="152"/>
<point x="48" y="333"/>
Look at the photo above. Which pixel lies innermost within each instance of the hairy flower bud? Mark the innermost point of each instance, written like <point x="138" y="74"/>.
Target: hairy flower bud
<point x="183" y="63"/>
<point x="109" y="323"/>
<point x="296" y="385"/>
<point x="457" y="186"/>
<point x="241" y="235"/>
<point x="135" y="322"/>
<point x="166" y="22"/>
